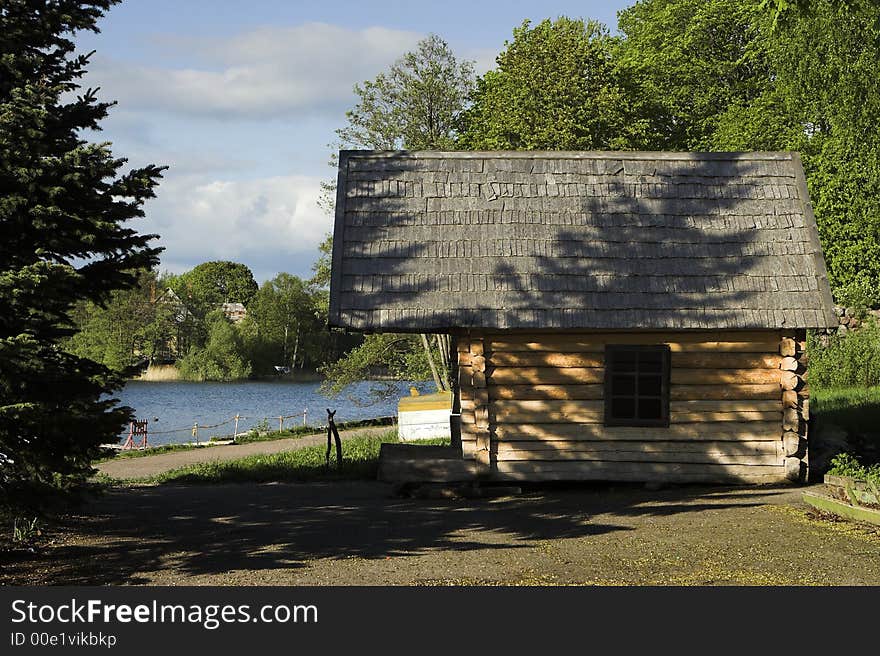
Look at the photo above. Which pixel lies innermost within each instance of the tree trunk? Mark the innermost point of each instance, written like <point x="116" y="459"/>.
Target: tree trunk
<point x="427" y="346"/>
<point x="444" y="353"/>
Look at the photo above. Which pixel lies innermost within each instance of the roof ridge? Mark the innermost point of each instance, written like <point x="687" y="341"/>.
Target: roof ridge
<point x="757" y="155"/>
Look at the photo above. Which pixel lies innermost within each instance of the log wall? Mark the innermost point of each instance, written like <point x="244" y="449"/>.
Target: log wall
<point x="532" y="408"/>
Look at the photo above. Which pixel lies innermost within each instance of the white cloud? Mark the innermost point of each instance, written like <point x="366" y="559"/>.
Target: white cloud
<point x="483" y="58"/>
<point x="271" y="224"/>
<point x="265" y="73"/>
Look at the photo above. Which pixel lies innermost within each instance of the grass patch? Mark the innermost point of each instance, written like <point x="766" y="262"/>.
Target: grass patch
<point x="856" y="409"/>
<point x="360" y="459"/>
<point x="299" y="431"/>
<point x="850" y="360"/>
<point x="245" y="438"/>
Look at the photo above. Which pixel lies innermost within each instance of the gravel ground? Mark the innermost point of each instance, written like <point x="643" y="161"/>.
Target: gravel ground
<point x="127" y="468"/>
<point x="359" y="533"/>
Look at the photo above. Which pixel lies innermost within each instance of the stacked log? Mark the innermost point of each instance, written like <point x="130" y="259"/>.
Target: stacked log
<point x="547" y="409"/>
<point x="533" y="408"/>
<point x="475" y="436"/>
<point x="795" y="403"/>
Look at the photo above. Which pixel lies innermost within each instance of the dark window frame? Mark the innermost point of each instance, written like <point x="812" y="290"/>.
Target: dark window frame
<point x="665" y="370"/>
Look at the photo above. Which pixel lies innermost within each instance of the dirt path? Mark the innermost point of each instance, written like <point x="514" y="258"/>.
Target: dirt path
<point x="358" y="533"/>
<point x="126" y="468"/>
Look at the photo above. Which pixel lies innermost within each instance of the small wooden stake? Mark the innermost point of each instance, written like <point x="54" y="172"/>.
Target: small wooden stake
<point x="334" y="433"/>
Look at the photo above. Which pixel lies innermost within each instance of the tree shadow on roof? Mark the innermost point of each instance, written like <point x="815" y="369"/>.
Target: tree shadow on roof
<point x="640" y="244"/>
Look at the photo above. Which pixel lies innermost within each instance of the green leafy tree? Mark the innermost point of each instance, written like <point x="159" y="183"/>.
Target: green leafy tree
<point x="286" y="325"/>
<point x="394" y="356"/>
<point x="415" y="105"/>
<point x="64" y="209"/>
<point x="320" y="280"/>
<point x="321" y="267"/>
<point x="334" y="343"/>
<point x="691" y="62"/>
<point x="132" y="326"/>
<point x="826" y="55"/>
<point x="222" y="358"/>
<point x="211" y="284"/>
<point x="555" y="87"/>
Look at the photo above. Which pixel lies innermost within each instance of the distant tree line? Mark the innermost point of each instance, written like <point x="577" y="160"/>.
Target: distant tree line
<point x="188" y="320"/>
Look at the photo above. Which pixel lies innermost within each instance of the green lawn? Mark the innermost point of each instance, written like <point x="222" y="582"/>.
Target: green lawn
<point x="360" y="458"/>
<point x="856" y="409"/>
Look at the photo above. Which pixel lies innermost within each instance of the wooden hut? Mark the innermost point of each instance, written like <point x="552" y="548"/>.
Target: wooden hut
<point x="616" y="315"/>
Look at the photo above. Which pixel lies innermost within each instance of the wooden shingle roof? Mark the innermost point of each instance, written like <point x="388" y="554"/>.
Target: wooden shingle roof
<point x="433" y="241"/>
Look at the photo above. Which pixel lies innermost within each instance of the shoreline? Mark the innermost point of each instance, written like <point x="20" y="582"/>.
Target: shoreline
<point x="114" y="451"/>
<point x="306" y="377"/>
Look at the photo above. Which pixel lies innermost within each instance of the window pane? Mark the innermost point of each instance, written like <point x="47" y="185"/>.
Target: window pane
<point x="623" y="408"/>
<point x="649" y="409"/>
<point x="636" y="389"/>
<point x="624" y="360"/>
<point x="651" y="361"/>
<point x="649" y="385"/>
<point x="623" y="385"/>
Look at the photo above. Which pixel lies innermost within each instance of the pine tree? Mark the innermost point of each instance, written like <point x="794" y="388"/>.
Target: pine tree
<point x="64" y="206"/>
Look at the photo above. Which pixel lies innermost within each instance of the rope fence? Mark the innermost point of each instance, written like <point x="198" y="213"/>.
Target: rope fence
<point x="196" y="426"/>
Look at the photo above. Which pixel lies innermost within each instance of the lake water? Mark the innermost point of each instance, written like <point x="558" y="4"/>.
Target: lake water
<point x="173" y="407"/>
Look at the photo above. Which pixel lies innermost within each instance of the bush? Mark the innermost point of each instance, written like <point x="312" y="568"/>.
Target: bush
<point x="221" y="357"/>
<point x="850" y="360"/>
<point x="845" y="464"/>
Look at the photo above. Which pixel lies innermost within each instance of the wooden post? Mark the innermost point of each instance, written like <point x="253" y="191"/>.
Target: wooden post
<point x="196" y="432"/>
<point x="305" y="414"/>
<point x="235" y="430"/>
<point x="280" y="424"/>
<point x="332" y="431"/>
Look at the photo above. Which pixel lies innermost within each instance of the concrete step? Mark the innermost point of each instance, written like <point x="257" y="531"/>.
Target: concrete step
<point x="411" y="451"/>
<point x="413" y="463"/>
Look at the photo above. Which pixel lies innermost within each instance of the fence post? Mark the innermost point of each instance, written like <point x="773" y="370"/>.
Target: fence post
<point x="235" y="431"/>
<point x="305" y="414"/>
<point x="280" y="424"/>
<point x="196" y="432"/>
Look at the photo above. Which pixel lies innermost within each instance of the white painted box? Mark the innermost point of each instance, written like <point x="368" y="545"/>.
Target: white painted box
<point x="424" y="417"/>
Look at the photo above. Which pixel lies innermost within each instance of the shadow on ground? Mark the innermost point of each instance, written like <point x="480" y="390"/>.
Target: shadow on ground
<point x="204" y="530"/>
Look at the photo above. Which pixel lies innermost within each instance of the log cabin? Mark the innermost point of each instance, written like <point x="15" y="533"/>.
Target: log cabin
<point x="626" y="316"/>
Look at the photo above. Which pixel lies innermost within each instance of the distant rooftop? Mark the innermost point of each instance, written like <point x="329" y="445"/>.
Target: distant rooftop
<point x="235" y="312"/>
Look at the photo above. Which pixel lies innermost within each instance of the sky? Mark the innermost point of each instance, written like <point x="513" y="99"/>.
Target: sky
<point x="241" y="99"/>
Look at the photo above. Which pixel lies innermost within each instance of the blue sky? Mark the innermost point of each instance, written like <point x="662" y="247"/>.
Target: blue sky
<point x="241" y="100"/>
